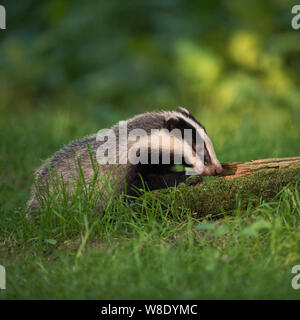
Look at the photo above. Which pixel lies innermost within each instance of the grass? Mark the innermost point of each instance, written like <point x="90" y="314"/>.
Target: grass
<point x="143" y="250"/>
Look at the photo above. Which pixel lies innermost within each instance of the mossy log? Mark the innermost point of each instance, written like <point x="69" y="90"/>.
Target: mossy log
<point x="255" y="181"/>
<point x="245" y="168"/>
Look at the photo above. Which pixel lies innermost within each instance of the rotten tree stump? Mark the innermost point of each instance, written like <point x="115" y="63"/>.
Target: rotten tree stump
<point x="241" y="183"/>
<point x="239" y="169"/>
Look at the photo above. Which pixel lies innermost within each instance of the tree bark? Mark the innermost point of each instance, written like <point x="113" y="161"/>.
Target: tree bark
<point x="238" y="169"/>
<point x="241" y="183"/>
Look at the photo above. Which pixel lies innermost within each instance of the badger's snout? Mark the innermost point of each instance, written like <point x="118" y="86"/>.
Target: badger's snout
<point x="219" y="169"/>
<point x="212" y="170"/>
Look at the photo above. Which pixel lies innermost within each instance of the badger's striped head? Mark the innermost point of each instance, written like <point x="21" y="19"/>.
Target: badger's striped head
<point x="205" y="162"/>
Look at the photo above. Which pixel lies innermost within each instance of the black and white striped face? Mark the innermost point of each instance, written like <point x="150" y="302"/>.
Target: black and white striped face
<point x="205" y="162"/>
<point x="160" y="138"/>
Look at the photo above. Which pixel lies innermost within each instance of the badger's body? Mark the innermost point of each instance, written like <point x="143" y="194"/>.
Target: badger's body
<point x="126" y="177"/>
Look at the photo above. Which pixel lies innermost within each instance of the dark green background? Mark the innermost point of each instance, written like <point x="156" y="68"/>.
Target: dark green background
<point x="115" y="58"/>
<point x="70" y="68"/>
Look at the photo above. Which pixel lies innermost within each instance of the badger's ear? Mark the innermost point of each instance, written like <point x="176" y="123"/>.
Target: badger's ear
<point x="183" y="111"/>
<point x="171" y="122"/>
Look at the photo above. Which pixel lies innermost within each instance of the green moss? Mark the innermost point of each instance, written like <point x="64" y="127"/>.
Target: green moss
<point x="219" y="195"/>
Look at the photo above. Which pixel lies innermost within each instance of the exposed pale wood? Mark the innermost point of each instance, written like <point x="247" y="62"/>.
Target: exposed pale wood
<point x="238" y="169"/>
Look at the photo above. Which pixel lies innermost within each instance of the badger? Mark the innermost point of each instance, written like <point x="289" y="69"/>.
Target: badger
<point x="127" y="177"/>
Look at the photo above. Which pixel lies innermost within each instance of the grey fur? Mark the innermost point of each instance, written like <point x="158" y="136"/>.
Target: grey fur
<point x="62" y="162"/>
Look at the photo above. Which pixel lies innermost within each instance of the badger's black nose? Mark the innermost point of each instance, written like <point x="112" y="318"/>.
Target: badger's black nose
<point x="218" y="170"/>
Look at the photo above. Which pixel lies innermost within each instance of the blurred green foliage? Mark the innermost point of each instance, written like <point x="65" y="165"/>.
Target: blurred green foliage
<point x="69" y="68"/>
<point x="125" y="57"/>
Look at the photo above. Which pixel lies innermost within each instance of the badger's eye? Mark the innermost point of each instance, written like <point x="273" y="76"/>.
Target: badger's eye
<point x="205" y="160"/>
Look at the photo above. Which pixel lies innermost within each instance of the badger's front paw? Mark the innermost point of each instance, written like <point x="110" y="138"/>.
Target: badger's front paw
<point x="194" y="180"/>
